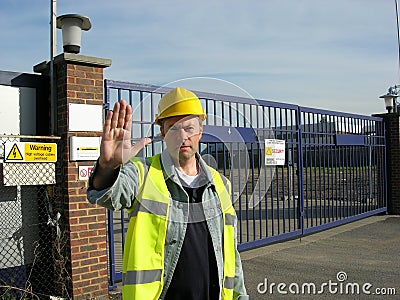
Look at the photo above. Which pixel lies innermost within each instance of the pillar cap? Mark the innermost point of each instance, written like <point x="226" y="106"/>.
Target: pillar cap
<point x="75" y="59"/>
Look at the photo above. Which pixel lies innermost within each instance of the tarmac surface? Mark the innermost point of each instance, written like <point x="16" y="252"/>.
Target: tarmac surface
<point x="360" y="260"/>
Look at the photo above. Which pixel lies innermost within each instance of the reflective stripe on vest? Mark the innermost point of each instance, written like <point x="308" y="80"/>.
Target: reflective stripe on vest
<point x="229" y="234"/>
<point x="141" y="277"/>
<point x="143" y="262"/>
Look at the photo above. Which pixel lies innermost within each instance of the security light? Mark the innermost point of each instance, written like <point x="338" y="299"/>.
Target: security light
<point x="72" y="26"/>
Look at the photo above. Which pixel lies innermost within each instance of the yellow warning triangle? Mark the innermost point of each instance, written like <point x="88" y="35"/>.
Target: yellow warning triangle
<point x="14" y="154"/>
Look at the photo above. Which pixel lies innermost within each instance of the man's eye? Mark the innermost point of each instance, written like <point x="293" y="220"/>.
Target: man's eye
<point x="190" y="129"/>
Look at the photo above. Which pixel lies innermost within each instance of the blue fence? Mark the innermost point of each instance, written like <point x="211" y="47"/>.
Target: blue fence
<point x="330" y="170"/>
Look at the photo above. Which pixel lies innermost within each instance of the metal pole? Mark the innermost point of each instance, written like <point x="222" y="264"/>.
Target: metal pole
<point x="53" y="85"/>
<point x="398" y="34"/>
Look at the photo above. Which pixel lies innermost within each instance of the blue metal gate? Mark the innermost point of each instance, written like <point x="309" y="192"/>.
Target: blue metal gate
<point x="333" y="173"/>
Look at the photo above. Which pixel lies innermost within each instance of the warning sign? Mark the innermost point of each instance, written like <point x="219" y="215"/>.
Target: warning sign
<point x="14" y="154"/>
<point x="274" y="152"/>
<point x="30" y="152"/>
<point x="84" y="172"/>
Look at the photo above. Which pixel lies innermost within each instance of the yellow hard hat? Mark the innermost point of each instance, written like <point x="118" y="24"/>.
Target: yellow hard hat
<point x="179" y="102"/>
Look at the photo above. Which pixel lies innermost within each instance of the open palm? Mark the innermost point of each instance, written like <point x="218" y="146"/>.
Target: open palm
<point x="116" y="147"/>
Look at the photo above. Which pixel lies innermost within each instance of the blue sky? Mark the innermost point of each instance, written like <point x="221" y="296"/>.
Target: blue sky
<point x="336" y="55"/>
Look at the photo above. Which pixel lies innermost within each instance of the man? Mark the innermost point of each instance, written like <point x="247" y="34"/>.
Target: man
<point x="181" y="239"/>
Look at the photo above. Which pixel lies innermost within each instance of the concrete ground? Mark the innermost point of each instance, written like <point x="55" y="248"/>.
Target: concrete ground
<point x="354" y="261"/>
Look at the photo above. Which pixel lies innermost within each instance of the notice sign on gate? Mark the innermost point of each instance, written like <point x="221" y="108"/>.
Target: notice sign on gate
<point x="274" y="152"/>
<point x="30" y="152"/>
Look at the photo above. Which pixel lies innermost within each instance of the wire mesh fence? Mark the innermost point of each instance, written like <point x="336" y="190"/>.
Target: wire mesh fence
<point x="29" y="230"/>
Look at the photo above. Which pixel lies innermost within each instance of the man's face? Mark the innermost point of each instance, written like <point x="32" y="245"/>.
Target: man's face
<point x="182" y="135"/>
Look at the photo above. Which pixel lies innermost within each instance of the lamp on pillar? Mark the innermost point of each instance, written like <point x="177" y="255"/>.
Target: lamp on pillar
<point x="72" y="26"/>
<point x="390" y="99"/>
<point x="389" y="102"/>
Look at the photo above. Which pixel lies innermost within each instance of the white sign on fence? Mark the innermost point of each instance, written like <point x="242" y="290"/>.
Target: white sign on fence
<point x="274" y="152"/>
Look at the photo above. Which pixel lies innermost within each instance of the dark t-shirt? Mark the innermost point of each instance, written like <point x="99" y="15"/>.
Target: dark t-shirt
<point x="196" y="273"/>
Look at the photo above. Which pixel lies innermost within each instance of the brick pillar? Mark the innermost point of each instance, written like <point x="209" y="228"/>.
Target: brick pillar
<point x="79" y="79"/>
<point x="392" y="134"/>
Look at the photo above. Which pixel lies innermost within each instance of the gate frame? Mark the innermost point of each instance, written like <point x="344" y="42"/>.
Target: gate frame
<point x="301" y="230"/>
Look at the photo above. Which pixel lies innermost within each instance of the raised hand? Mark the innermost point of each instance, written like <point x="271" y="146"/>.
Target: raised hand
<point x="116" y="147"/>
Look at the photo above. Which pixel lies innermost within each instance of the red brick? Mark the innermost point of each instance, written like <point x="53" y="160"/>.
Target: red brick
<point x="89" y="247"/>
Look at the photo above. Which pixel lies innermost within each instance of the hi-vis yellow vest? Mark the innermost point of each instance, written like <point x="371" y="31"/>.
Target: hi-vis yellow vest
<point x="143" y="262"/>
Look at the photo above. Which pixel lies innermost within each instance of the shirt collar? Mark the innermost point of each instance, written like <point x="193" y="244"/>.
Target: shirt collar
<point x="169" y="168"/>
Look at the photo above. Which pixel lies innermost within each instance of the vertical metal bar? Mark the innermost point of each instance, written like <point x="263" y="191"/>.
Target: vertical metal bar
<point x="348" y="189"/>
<point x="247" y="191"/>
<point x="289" y="139"/>
<point x="123" y="228"/>
<point x="215" y="112"/>
<point x="152" y="114"/>
<point x="259" y="202"/>
<point x="142" y="131"/>
<point x="360" y="153"/>
<point x="284" y="136"/>
<point x="206" y="108"/>
<point x="278" y="210"/>
<point x="240" y="192"/>
<point x="272" y="186"/>
<point x="266" y="124"/>
<point x="323" y="189"/>
<point x="111" y="253"/>
<point x="341" y="184"/>
<point x="337" y="176"/>
<point x="313" y="171"/>
<point x="300" y="124"/>
<point x="361" y="163"/>
<point x="356" y="180"/>
<point x="343" y="178"/>
<point x="385" y="174"/>
<point x="368" y="169"/>
<point x="266" y="200"/>
<point x="252" y="189"/>
<point x="224" y="158"/>
<point x="259" y="166"/>
<point x="292" y="202"/>
<point x="53" y="85"/>
<point x="313" y="178"/>
<point x="237" y="189"/>
<point x="119" y="95"/>
<point x="216" y="155"/>
<point x="306" y="120"/>
<point x="290" y="183"/>
<point x="329" y="170"/>
<point x="319" y="178"/>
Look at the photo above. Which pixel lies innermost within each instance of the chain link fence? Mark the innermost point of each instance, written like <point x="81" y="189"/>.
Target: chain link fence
<point x="29" y="228"/>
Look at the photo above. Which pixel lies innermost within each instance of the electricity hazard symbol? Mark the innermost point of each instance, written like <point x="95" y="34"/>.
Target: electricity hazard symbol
<point x="14" y="153"/>
<point x="268" y="151"/>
